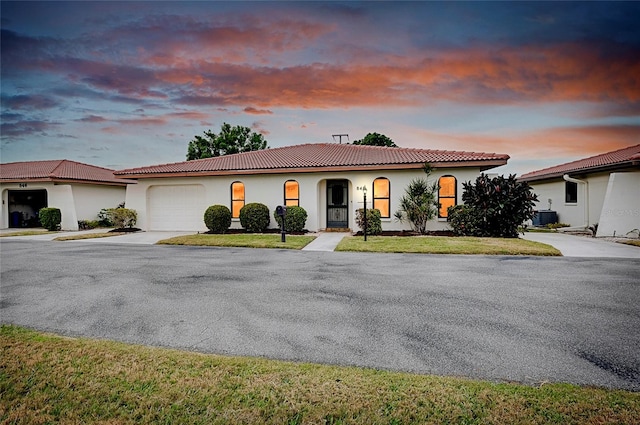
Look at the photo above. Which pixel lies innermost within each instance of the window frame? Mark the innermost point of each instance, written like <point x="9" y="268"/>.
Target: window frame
<point x="384" y="198"/>
<point x="568" y="199"/>
<point x="296" y="199"/>
<point x="440" y="196"/>
<point x="235" y="200"/>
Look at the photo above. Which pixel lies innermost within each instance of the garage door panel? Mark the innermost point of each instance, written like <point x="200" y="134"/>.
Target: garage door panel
<point x="176" y="207"/>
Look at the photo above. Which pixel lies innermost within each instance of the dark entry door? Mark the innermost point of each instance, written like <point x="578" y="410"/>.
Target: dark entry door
<point x="337" y="204"/>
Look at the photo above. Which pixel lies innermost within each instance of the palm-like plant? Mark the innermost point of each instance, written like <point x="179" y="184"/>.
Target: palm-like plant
<point x="419" y="204"/>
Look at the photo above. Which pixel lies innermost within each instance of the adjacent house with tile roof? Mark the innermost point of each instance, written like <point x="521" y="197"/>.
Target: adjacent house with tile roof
<point x="603" y="189"/>
<point x="79" y="190"/>
<point x="325" y="179"/>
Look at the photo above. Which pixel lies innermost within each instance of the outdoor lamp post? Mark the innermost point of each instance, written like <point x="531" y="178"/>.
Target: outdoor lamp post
<point x="364" y="191"/>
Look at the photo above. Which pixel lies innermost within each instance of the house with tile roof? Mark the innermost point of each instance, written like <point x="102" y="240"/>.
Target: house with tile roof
<point x="326" y="179"/>
<point x="79" y="190"/>
<point x="602" y="189"/>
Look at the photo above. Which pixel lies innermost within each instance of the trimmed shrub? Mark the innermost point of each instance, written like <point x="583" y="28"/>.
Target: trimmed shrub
<point x="88" y="224"/>
<point x="494" y="207"/>
<point x="50" y="218"/>
<point x="462" y="222"/>
<point x="374" y="223"/>
<point x="217" y="218"/>
<point x="295" y="220"/>
<point x="122" y="217"/>
<point x="103" y="218"/>
<point x="254" y="217"/>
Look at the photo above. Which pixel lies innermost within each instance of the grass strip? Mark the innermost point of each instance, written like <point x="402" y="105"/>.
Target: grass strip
<point x="25" y="233"/>
<point x="46" y="378"/>
<point x="241" y="240"/>
<point x="89" y="236"/>
<point x="632" y="242"/>
<point x="446" y="245"/>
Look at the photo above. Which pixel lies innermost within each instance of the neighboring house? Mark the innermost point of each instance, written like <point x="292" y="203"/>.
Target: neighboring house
<point x="603" y="189"/>
<point x="324" y="179"/>
<point x="79" y="190"/>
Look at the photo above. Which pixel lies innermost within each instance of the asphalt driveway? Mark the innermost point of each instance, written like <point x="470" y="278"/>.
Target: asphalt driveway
<point x="500" y="318"/>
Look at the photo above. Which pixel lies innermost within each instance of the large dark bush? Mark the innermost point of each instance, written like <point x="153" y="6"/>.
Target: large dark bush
<point x="50" y="218"/>
<point x="254" y="217"/>
<point x="217" y="218"/>
<point x="295" y="220"/>
<point x="374" y="223"/>
<point x="493" y="207"/>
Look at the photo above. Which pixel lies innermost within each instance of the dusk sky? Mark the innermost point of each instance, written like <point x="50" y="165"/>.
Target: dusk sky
<point x="127" y="84"/>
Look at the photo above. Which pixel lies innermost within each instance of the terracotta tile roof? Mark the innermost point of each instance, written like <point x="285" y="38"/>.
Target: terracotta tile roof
<point x="58" y="170"/>
<point x="319" y="157"/>
<point x="621" y="158"/>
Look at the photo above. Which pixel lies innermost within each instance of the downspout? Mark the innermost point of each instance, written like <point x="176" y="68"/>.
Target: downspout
<point x="567" y="178"/>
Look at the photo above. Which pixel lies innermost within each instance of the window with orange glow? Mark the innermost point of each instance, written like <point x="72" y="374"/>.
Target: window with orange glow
<point x="381" y="196"/>
<point x="237" y="198"/>
<point x="446" y="195"/>
<point x="291" y="193"/>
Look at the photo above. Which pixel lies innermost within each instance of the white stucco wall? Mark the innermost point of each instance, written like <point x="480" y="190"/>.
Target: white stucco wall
<point x="269" y="190"/>
<point x="621" y="207"/>
<point x="75" y="201"/>
<point x="574" y="214"/>
<point x="90" y="199"/>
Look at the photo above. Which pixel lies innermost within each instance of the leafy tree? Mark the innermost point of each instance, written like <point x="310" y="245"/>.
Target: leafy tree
<point x="493" y="207"/>
<point x="376" y="139"/>
<point x="230" y="140"/>
<point x="419" y="204"/>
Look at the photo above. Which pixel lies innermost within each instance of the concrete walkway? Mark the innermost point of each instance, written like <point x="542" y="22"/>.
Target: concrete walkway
<point x="584" y="246"/>
<point x="326" y="241"/>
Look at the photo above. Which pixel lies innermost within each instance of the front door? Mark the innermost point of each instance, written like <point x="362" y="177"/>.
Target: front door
<point x="337" y="204"/>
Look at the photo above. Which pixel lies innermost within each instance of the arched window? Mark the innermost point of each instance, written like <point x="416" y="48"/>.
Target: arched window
<point x="381" y="196"/>
<point x="291" y="193"/>
<point x="446" y="194"/>
<point x="237" y="198"/>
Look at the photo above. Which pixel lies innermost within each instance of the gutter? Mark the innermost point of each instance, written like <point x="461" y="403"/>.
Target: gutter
<point x="567" y="178"/>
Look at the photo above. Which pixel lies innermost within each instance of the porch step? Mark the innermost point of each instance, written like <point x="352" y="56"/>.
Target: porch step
<point x="337" y="229"/>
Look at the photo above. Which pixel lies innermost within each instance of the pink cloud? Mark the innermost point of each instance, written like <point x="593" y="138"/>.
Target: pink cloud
<point x="254" y="111"/>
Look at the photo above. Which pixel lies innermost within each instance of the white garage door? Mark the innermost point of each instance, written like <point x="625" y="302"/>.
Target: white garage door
<point x="179" y="207"/>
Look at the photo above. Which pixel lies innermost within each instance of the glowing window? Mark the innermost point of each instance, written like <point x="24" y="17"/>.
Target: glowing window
<point x="291" y="193"/>
<point x="381" y="196"/>
<point x="237" y="198"/>
<point x="446" y="194"/>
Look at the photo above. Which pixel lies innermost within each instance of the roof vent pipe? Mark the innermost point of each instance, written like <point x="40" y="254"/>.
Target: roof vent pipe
<point x="567" y="178"/>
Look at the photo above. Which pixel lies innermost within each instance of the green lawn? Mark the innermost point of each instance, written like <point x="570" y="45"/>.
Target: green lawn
<point x="446" y="245"/>
<point x="50" y="379"/>
<point x="242" y="240"/>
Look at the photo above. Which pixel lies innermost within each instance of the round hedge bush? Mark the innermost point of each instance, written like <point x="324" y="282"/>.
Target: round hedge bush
<point x="254" y="217"/>
<point x="295" y="220"/>
<point x="50" y="218"/>
<point x="374" y="222"/>
<point x="217" y="218"/>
